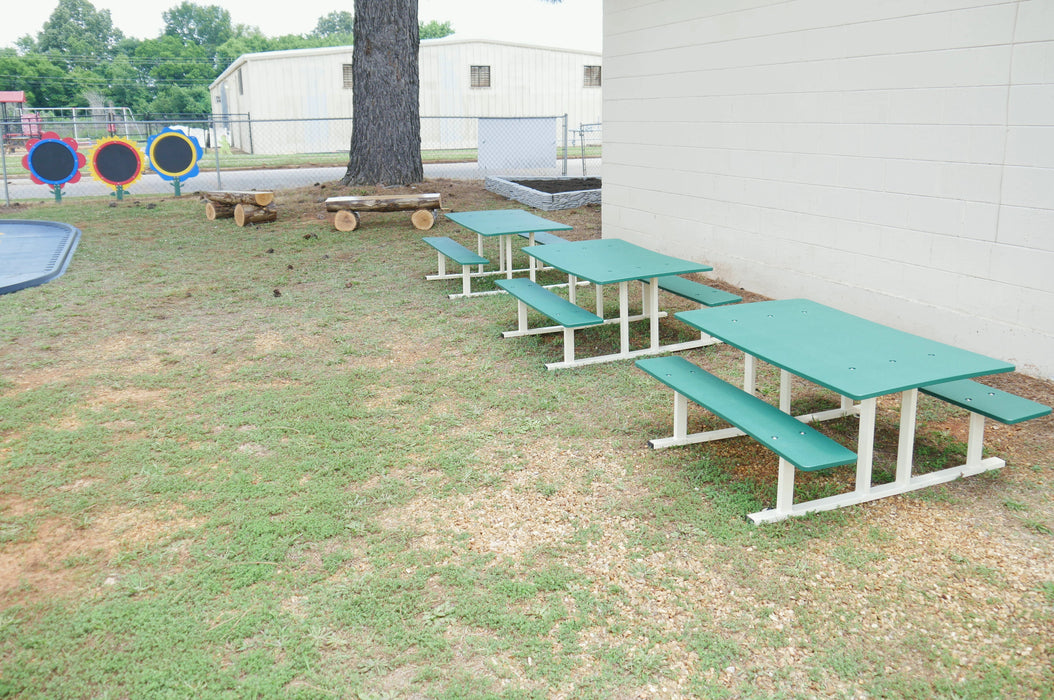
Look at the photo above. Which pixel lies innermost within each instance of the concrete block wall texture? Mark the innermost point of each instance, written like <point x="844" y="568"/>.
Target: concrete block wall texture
<point x="891" y="158"/>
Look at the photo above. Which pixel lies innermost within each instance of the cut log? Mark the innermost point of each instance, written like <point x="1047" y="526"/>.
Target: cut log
<point x="344" y="220"/>
<point x="252" y="214"/>
<point x="232" y="197"/>
<point x="215" y="210"/>
<point x="423" y="219"/>
<point x="394" y="202"/>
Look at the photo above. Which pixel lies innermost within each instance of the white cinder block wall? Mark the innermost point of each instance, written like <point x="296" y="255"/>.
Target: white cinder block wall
<point x="893" y="158"/>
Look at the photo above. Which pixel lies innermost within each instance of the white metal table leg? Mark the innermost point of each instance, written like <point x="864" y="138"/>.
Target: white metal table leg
<point x="623" y="303"/>
<point x="652" y="311"/>
<point x="785" y="391"/>
<point x="974" y="442"/>
<point x="600" y="300"/>
<point x="680" y="415"/>
<point x="507" y="245"/>
<point x="572" y="288"/>
<point x="466" y="280"/>
<point x="785" y="488"/>
<point x="569" y="345"/>
<point x="532" y="261"/>
<point x="909" y="403"/>
<point x="479" y="250"/>
<point x="750" y="373"/>
<point x="865" y="450"/>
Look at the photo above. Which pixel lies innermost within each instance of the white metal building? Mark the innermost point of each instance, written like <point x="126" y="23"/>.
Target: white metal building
<point x="459" y="78"/>
<point x="892" y="159"/>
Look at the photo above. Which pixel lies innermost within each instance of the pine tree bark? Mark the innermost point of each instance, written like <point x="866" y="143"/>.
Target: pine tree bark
<point x="386" y="126"/>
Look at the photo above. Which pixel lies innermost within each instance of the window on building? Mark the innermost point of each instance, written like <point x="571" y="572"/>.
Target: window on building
<point x="592" y="76"/>
<point x="349" y="81"/>
<point x="479" y="76"/>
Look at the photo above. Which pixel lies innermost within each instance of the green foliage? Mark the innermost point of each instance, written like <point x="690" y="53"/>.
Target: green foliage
<point x="337" y="22"/>
<point x="80" y="58"/>
<point x="435" y="30"/>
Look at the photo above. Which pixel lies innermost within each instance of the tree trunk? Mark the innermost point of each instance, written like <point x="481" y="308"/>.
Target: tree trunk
<point x="215" y="210"/>
<point x="392" y="202"/>
<point x="232" y="197"/>
<point x="252" y="214"/>
<point x="386" y="126"/>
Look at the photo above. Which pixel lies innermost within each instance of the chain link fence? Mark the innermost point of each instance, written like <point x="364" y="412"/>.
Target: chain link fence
<point x="242" y="153"/>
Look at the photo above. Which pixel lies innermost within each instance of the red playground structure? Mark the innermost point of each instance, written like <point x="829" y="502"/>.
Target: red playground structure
<point x="18" y="126"/>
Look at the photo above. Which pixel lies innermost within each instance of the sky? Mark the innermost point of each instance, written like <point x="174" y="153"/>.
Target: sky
<point x="572" y="24"/>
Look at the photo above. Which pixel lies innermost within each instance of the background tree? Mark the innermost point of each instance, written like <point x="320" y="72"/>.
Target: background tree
<point x="335" y="23"/>
<point x="80" y="59"/>
<point x="78" y="34"/>
<point x="386" y="125"/>
<point x="435" y="30"/>
<point x="208" y="25"/>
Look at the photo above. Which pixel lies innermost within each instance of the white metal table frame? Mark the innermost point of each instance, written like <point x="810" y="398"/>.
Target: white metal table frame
<point x="506" y="225"/>
<point x="937" y="363"/>
<point x="622" y="263"/>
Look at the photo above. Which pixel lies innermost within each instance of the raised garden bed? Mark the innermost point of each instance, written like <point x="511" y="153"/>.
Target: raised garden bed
<point x="548" y="193"/>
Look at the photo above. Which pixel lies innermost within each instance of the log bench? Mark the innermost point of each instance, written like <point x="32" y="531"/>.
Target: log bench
<point x="449" y="248"/>
<point x="244" y="206"/>
<point x="984" y="402"/>
<point x="796" y="444"/>
<point x="551" y="305"/>
<point x="343" y="212"/>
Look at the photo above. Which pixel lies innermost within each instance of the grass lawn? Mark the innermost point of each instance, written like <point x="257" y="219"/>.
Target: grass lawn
<point x="276" y="462"/>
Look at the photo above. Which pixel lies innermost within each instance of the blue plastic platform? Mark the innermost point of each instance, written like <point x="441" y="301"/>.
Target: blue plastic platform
<point x="34" y="252"/>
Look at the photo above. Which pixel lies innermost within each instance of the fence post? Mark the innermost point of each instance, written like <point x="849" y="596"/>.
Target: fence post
<point x="3" y="161"/>
<point x="216" y="150"/>
<point x="565" y="143"/>
<point x="249" y="120"/>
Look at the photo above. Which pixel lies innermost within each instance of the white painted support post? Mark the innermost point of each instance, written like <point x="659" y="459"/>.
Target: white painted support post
<point x="865" y="449"/>
<point x="466" y="280"/>
<point x="479" y="250"/>
<point x="785" y="488"/>
<point x="572" y="288"/>
<point x="569" y="345"/>
<point x="652" y="311"/>
<point x="441" y="265"/>
<point x="750" y="373"/>
<point x="785" y="391"/>
<point x="975" y="441"/>
<point x="521" y="315"/>
<point x="680" y="416"/>
<point x="623" y="305"/>
<point x="600" y="300"/>
<point x="909" y="403"/>
<point x="531" y="260"/>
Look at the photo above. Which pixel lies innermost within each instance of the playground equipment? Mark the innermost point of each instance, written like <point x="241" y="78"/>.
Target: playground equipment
<point x="34" y="252"/>
<point x="18" y="125"/>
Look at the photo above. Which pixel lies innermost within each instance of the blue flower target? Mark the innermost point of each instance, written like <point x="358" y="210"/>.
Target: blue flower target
<point x="174" y="156"/>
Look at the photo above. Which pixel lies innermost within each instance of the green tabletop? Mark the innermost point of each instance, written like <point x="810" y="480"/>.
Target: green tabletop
<point x="611" y="260"/>
<point x="504" y="222"/>
<point x="848" y="354"/>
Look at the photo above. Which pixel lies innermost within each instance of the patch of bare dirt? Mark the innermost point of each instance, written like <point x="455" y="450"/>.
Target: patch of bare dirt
<point x="47" y="564"/>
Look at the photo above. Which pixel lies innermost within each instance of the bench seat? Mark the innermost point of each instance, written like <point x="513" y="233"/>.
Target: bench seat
<point x="696" y="291"/>
<point x="984" y="402"/>
<point x="565" y="313"/>
<point x="449" y="248"/>
<point x="544" y="237"/>
<point x="794" y="441"/>
<point x="797" y="444"/>
<point x="988" y="401"/>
